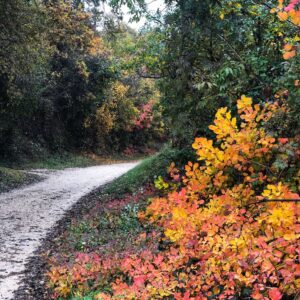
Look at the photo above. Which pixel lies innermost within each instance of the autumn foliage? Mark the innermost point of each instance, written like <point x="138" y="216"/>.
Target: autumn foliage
<point x="231" y="228"/>
<point x="289" y="11"/>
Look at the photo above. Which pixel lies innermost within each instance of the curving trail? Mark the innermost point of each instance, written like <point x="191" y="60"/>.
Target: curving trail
<point x="28" y="214"/>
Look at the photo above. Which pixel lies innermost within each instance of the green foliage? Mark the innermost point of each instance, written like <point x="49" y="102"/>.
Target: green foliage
<point x="210" y="61"/>
<point x="160" y="184"/>
<point x="59" y="162"/>
<point x="211" y="52"/>
<point x="21" y="29"/>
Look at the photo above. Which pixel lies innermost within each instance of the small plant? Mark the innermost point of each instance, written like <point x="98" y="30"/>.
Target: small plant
<point x="96" y="243"/>
<point x="128" y="219"/>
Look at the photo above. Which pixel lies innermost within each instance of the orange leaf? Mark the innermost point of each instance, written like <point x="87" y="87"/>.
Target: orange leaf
<point x="289" y="54"/>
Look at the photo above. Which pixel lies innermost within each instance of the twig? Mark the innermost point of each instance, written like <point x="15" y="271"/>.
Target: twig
<point x="265" y="200"/>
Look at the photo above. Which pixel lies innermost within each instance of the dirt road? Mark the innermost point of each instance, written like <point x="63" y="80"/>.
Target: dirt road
<point x="28" y="214"/>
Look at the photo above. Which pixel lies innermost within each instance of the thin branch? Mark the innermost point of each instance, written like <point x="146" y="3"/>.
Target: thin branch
<point x="239" y="57"/>
<point x="266" y="200"/>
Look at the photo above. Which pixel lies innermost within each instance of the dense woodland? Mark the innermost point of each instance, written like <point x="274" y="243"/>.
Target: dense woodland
<point x="218" y="82"/>
<point x="67" y="85"/>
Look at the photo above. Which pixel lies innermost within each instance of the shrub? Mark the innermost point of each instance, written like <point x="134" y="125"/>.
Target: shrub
<point x="232" y="229"/>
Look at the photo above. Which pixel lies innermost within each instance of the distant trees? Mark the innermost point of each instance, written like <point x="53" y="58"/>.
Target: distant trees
<point x="57" y="81"/>
<point x="21" y="30"/>
<point x="116" y="120"/>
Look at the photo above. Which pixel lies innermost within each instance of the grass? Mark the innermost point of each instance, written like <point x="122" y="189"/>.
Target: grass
<point x="11" y="179"/>
<point x="59" y="162"/>
<point x="67" y="160"/>
<point x="104" y="227"/>
<point x="148" y="170"/>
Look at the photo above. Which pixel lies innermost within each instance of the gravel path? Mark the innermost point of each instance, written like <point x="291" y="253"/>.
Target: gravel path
<point x="28" y="214"/>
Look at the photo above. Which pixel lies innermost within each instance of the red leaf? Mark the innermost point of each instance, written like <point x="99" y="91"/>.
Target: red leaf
<point x="283" y="140"/>
<point x="139" y="280"/>
<point x="158" y="259"/>
<point x="275" y="294"/>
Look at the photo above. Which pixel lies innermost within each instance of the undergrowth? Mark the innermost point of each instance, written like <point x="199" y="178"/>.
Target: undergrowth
<point x="11" y="179"/>
<point x="111" y="228"/>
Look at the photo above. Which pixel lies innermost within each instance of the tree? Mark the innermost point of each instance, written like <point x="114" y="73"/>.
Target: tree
<point x="22" y="26"/>
<point x="213" y="51"/>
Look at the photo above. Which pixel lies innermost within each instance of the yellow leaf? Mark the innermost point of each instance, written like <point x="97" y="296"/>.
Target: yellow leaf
<point x="179" y="213"/>
<point x="244" y="102"/>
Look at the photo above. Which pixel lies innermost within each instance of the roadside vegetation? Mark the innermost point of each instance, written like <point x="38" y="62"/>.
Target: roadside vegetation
<point x="157" y="240"/>
<point x="149" y="169"/>
<point x="11" y="179"/>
